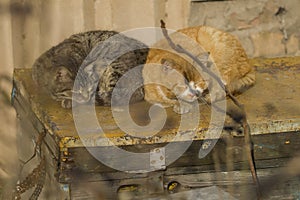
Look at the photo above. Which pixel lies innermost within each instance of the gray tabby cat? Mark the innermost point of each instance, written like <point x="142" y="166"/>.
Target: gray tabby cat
<point x="98" y="59"/>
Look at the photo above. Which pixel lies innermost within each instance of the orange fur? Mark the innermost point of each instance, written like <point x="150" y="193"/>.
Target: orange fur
<point x="226" y="53"/>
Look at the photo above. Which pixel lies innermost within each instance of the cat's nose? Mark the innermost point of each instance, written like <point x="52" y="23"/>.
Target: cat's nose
<point x="192" y="95"/>
<point x="197" y="93"/>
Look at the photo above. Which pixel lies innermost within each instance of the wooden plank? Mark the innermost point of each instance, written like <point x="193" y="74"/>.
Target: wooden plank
<point x="96" y="176"/>
<point x="237" y="183"/>
<point x="270" y="151"/>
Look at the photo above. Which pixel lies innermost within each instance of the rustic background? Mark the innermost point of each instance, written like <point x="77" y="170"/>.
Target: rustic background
<point x="266" y="28"/>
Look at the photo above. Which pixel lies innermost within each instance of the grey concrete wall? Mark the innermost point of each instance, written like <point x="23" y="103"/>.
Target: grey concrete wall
<point x="258" y="24"/>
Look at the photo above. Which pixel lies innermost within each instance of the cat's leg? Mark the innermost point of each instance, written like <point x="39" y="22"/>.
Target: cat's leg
<point x="65" y="97"/>
<point x="179" y="106"/>
<point x="161" y="101"/>
<point x="157" y="96"/>
<point x="242" y="84"/>
<point x="182" y="107"/>
<point x="66" y="103"/>
<point x="218" y="92"/>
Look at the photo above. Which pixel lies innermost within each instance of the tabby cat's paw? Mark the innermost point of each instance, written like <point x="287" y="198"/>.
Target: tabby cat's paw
<point x="66" y="103"/>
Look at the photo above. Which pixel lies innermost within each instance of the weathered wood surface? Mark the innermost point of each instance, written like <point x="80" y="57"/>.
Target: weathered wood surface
<point x="272" y="106"/>
<point x="270" y="151"/>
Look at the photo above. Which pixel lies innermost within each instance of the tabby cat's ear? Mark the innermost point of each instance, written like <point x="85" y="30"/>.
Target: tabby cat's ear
<point x="63" y="75"/>
<point x="167" y="64"/>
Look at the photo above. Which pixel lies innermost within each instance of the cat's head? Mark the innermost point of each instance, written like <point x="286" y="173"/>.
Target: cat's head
<point x="174" y="78"/>
<point x="61" y="83"/>
<point x="86" y="84"/>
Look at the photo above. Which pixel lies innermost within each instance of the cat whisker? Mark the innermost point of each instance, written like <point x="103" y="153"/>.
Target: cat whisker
<point x="65" y="94"/>
<point x="202" y="100"/>
<point x="75" y="92"/>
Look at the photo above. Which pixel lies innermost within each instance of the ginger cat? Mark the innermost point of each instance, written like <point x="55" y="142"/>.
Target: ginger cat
<point x="168" y="75"/>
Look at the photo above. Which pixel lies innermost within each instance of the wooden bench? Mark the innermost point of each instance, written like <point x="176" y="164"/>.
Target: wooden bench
<point x="273" y="110"/>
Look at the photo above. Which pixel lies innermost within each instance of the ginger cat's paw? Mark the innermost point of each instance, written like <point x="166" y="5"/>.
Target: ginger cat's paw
<point x="182" y="107"/>
<point x="218" y="96"/>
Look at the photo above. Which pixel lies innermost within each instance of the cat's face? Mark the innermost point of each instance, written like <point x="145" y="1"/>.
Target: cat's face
<point x="61" y="83"/>
<point x="85" y="85"/>
<point x="63" y="87"/>
<point x="176" y="81"/>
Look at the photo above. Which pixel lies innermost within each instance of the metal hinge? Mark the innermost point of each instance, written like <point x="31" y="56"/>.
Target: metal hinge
<point x="158" y="159"/>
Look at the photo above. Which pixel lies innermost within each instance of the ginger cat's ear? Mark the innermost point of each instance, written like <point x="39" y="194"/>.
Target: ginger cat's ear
<point x="204" y="58"/>
<point x="167" y="64"/>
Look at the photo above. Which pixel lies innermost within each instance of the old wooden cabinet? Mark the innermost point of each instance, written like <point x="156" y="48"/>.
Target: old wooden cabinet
<point x="72" y="172"/>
